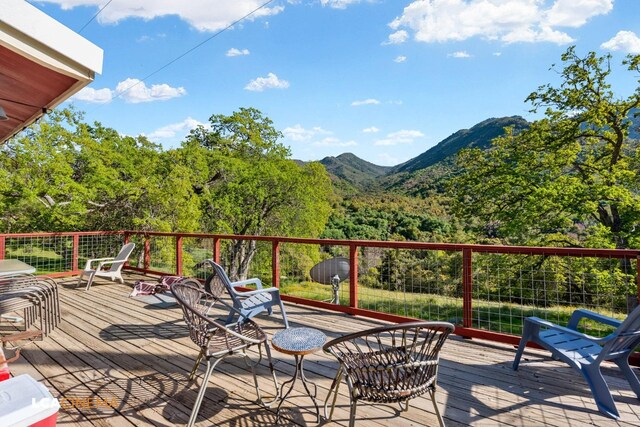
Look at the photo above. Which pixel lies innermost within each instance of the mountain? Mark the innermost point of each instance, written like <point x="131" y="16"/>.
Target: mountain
<point x="479" y="136"/>
<point x="354" y="170"/>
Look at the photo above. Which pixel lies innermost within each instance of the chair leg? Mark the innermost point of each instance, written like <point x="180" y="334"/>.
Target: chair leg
<point x="432" y="393"/>
<point x="90" y="281"/>
<point x="336" y="383"/>
<point x="203" y="389"/>
<point x="352" y="412"/>
<point x="80" y="279"/>
<point x="530" y="329"/>
<point x="632" y="378"/>
<point x="284" y="315"/>
<point x="600" y="390"/>
<point x="195" y="366"/>
<point x="252" y="366"/>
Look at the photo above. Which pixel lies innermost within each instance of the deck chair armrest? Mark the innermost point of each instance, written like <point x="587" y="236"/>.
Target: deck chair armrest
<point x="91" y="261"/>
<point x="587" y="314"/>
<point x="253" y="281"/>
<point x="257" y="291"/>
<point x="577" y="334"/>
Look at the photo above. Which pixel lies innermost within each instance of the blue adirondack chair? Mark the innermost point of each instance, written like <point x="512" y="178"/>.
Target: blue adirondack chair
<point x="585" y="353"/>
<point x="248" y="303"/>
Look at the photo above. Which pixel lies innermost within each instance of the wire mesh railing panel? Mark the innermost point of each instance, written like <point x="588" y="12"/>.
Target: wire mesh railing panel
<point x="98" y="246"/>
<point x="425" y="284"/>
<point x="297" y="262"/>
<point x="245" y="259"/>
<point x="162" y="253"/>
<point x="48" y="254"/>
<point x="508" y="288"/>
<point x="195" y="250"/>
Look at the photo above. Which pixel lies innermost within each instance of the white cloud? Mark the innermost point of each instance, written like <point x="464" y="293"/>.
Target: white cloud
<point x="237" y="52"/>
<point x="298" y="133"/>
<point x="334" y="142"/>
<point x="576" y="13"/>
<point x="400" y="58"/>
<point x="372" y="129"/>
<point x="96" y="96"/>
<point x="497" y="53"/>
<point x="339" y="4"/>
<point x="459" y="54"/>
<point x="197" y="13"/>
<point x="170" y="131"/>
<point x="400" y="137"/>
<point x="509" y="21"/>
<point x="270" y="82"/>
<point x="626" y="41"/>
<point x="398" y="37"/>
<point x="135" y="91"/>
<point x="369" y="101"/>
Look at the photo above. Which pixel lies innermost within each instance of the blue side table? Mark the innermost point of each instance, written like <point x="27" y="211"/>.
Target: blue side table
<point x="299" y="342"/>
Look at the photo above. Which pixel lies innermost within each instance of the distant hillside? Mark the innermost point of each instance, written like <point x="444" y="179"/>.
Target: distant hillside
<point x="479" y="136"/>
<point x="354" y="170"/>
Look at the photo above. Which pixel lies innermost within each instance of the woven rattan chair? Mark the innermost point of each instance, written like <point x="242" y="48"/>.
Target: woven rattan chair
<point x="216" y="340"/>
<point x="389" y="364"/>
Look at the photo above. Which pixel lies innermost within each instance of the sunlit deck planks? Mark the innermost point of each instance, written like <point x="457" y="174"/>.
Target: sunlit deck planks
<point x="135" y="357"/>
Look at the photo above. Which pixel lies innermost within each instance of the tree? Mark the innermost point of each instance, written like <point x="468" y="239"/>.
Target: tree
<point x="63" y="174"/>
<point x="248" y="186"/>
<point x="572" y="177"/>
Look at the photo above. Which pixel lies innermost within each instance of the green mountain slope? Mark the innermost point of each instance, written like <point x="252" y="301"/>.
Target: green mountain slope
<point x="479" y="136"/>
<point x="355" y="171"/>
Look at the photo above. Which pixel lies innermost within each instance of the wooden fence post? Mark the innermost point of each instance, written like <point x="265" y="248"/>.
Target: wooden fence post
<point x="467" y="287"/>
<point x="179" y="256"/>
<point x="353" y="276"/>
<point x="275" y="263"/>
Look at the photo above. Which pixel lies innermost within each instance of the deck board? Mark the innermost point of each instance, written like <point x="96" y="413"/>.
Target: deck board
<point x="137" y="357"/>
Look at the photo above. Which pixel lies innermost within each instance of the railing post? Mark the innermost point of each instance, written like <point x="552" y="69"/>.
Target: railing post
<point x="75" y="252"/>
<point x="275" y="263"/>
<point x="179" y="256"/>
<point x="2" y="246"/>
<point x="147" y="252"/>
<point x="216" y="250"/>
<point x="125" y="238"/>
<point x="637" y="277"/>
<point x="467" y="287"/>
<point x="353" y="276"/>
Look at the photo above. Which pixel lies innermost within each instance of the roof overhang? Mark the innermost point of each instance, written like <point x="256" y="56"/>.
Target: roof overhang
<point x="42" y="63"/>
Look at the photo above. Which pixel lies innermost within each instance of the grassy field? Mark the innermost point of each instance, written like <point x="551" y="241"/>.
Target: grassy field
<point x="488" y="315"/>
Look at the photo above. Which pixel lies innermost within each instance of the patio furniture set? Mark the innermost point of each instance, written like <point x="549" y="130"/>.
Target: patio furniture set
<point x="384" y="365"/>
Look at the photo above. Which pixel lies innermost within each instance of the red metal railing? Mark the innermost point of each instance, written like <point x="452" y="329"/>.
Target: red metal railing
<point x="469" y="279"/>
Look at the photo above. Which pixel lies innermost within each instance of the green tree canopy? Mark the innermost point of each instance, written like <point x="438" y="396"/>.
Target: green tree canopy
<point x="248" y="185"/>
<point x="572" y="177"/>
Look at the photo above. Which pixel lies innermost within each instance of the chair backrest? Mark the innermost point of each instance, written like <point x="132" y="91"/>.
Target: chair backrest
<point x="627" y="337"/>
<point x="218" y="281"/>
<point x="196" y="303"/>
<point x="122" y="257"/>
<point x="408" y="352"/>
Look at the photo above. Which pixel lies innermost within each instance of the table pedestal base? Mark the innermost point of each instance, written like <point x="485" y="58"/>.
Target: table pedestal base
<point x="299" y="373"/>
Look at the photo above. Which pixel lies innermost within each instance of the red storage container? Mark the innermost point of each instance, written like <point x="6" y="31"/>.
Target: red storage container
<point x="25" y="402"/>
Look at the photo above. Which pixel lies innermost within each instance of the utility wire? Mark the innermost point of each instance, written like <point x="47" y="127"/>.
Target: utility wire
<point x="94" y="16"/>
<point x="122" y="92"/>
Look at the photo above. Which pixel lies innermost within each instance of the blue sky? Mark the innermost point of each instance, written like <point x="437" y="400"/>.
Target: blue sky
<point x="383" y="79"/>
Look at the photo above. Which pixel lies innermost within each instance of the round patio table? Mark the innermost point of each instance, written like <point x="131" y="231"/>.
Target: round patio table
<point x="298" y="342"/>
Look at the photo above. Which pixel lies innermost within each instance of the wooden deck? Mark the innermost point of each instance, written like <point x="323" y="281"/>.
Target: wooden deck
<point x="119" y="361"/>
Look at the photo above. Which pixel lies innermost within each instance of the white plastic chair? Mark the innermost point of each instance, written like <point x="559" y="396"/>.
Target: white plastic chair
<point x="115" y="266"/>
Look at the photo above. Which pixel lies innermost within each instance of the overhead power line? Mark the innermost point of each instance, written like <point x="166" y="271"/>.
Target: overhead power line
<point x="262" y="6"/>
<point x="94" y="16"/>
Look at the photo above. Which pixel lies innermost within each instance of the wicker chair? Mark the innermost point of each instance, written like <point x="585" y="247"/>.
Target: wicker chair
<point x="217" y="341"/>
<point x="389" y="364"/>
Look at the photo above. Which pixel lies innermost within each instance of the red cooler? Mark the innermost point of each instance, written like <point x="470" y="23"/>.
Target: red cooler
<point x="25" y="402"/>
